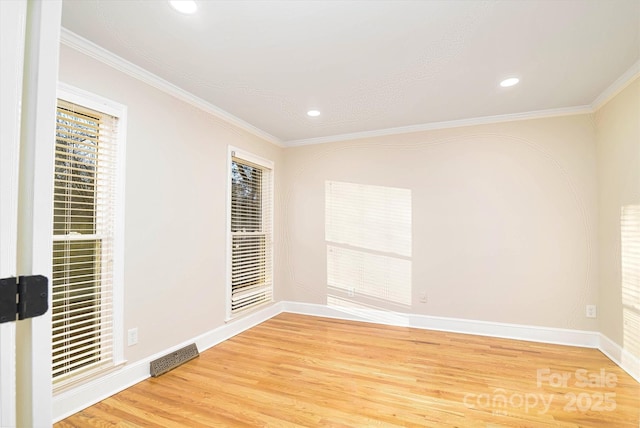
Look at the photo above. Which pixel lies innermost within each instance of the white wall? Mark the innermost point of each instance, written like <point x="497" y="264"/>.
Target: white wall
<point x="175" y="221"/>
<point x="503" y="219"/>
<point x="618" y="143"/>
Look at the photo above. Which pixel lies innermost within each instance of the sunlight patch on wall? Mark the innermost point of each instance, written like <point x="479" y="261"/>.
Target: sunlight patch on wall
<point x="630" y="250"/>
<point x="368" y="234"/>
<point x="372" y="275"/>
<point x="370" y="217"/>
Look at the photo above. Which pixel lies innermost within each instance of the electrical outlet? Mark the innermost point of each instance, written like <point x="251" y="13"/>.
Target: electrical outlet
<point x="592" y="311"/>
<point x="132" y="336"/>
<point x="423" y="297"/>
<point x="351" y="292"/>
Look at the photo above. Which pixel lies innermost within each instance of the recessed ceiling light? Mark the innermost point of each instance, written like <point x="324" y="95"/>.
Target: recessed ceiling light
<point x="184" y="6"/>
<point x="509" y="82"/>
<point x="313" y="113"/>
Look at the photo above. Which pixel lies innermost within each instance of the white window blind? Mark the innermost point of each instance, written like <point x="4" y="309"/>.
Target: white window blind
<point x="630" y="255"/>
<point x="630" y="250"/>
<point x="83" y="243"/>
<point x="251" y="234"/>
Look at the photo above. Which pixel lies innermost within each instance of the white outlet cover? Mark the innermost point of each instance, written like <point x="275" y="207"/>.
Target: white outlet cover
<point x="132" y="336"/>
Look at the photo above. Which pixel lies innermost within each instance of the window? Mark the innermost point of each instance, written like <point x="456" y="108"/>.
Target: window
<point x="250" y="223"/>
<point x="87" y="231"/>
<point x="630" y="252"/>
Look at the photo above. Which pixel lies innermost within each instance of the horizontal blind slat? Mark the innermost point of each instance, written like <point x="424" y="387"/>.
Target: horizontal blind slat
<point x="85" y="153"/>
<point x="250" y="213"/>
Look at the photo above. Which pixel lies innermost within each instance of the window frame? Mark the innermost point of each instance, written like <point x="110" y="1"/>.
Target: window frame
<point x="268" y="199"/>
<point x="106" y="106"/>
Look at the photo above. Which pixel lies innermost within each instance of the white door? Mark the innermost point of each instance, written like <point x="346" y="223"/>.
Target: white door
<point x="13" y="15"/>
<point x="29" y="46"/>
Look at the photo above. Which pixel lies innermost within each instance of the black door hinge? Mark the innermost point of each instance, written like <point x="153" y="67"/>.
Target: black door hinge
<point x="23" y="297"/>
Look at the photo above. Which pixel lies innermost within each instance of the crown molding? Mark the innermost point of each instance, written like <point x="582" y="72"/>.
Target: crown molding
<point x="99" y="53"/>
<point x="92" y="50"/>
<point x="565" y="111"/>
<point x="616" y="87"/>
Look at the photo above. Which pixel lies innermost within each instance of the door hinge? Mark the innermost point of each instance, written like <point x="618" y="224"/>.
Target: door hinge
<point x="23" y="297"/>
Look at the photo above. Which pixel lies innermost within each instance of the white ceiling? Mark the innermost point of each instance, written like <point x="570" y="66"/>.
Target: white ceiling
<point x="371" y="65"/>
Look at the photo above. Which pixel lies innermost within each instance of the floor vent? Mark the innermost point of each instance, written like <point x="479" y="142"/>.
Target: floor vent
<point x="173" y="360"/>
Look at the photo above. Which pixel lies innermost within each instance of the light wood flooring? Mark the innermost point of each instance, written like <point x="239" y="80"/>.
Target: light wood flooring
<point x="296" y="370"/>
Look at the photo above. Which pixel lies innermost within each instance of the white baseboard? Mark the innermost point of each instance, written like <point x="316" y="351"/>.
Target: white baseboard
<point x="558" y="336"/>
<point x="623" y="358"/>
<point x="72" y="401"/>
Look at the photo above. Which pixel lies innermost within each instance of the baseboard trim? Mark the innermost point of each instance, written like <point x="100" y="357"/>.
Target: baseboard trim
<point x="623" y="358"/>
<point x="72" y="401"/>
<point x="558" y="336"/>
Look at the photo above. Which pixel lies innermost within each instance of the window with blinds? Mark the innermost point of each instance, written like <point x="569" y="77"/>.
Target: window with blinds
<point x="251" y="233"/>
<point x="630" y="258"/>
<point x="83" y="243"/>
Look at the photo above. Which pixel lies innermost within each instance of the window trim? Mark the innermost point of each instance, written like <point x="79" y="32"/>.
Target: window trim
<point x="98" y="103"/>
<point x="234" y="152"/>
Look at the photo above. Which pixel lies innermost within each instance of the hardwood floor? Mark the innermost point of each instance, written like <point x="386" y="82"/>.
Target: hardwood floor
<point x="295" y="370"/>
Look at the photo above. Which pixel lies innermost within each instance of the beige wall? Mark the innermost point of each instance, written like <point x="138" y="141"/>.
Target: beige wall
<point x="503" y="219"/>
<point x="176" y="180"/>
<point x="618" y="143"/>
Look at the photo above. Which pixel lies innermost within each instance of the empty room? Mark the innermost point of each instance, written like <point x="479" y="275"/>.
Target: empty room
<point x="349" y="213"/>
